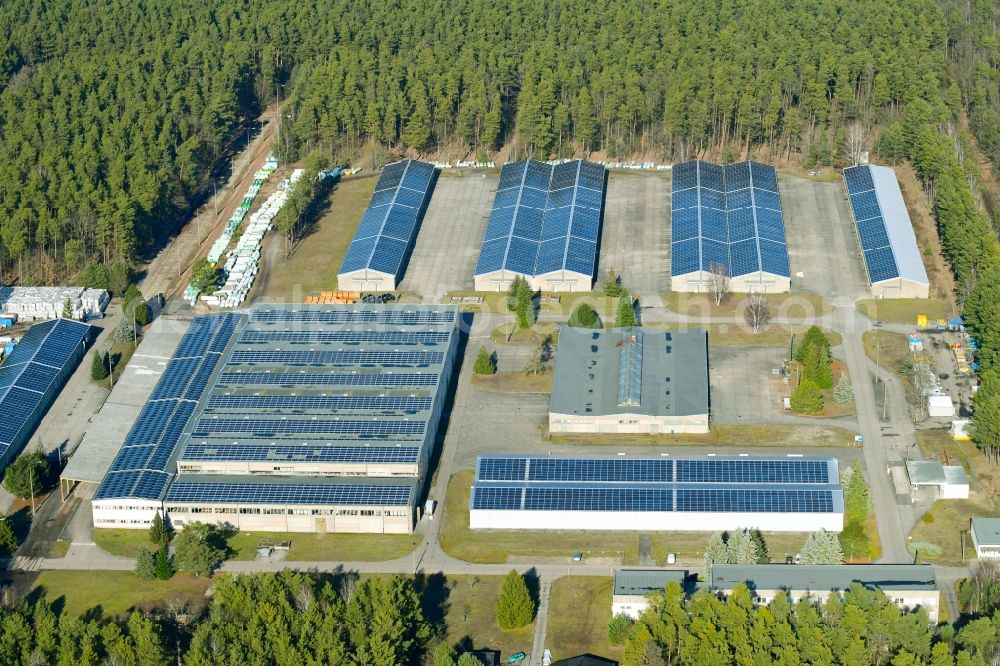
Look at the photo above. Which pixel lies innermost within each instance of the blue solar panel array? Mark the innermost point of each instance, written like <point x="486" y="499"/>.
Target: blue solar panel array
<point x="883" y="225"/>
<point x="286" y="493"/>
<point x="727" y="215"/>
<point x="140" y="470"/>
<point x="794" y="485"/>
<point x="209" y="450"/>
<point x="32" y="376"/>
<point x="388" y="228"/>
<point x="545" y="218"/>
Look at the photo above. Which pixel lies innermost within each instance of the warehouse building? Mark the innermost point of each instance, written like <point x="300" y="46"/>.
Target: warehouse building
<point x="986" y="536"/>
<point x="298" y="418"/>
<point x="630" y="380"/>
<point x="885" y="233"/>
<point x="544" y="226"/>
<point x="634" y="587"/>
<point x="32" y="377"/>
<point x="660" y="494"/>
<point x="909" y="586"/>
<point x="726" y="222"/>
<point x="377" y="257"/>
<point x="32" y="303"/>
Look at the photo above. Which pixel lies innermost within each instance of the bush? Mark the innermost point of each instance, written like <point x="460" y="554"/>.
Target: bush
<point x="485" y="363"/>
<point x="204" y="275"/>
<point x="8" y="539"/>
<point x="199" y="548"/>
<point x="619" y="628"/>
<point x="584" y="316"/>
<point x="928" y="518"/>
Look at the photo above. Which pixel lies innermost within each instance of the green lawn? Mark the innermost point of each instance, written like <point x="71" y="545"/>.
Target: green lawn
<point x="470" y="616"/>
<point x="304" y="547"/>
<point x="904" y="310"/>
<point x="110" y="593"/>
<point x="803" y="305"/>
<point x="888" y="348"/>
<point x="579" y="612"/>
<point x="775" y="335"/>
<point x="328" y="547"/>
<point x="514" y="382"/>
<point x="523" y="336"/>
<point x="728" y="435"/>
<point x="495" y="546"/>
<point x="124" y="543"/>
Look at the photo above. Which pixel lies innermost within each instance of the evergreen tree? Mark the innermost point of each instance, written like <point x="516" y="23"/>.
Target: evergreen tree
<point x="521" y="301"/>
<point x="813" y="336"/>
<point x="716" y="552"/>
<point x="163" y="565"/>
<point x="514" y="607"/>
<point x="124" y="330"/>
<point x="843" y="393"/>
<point x="27" y="474"/>
<point x="807" y="398"/>
<point x="584" y="316"/>
<point x="763" y="554"/>
<point x="625" y="316"/>
<point x="613" y="284"/>
<point x="145" y="564"/>
<point x="445" y="655"/>
<point x="485" y="365"/>
<point x="619" y="628"/>
<point x="204" y="275"/>
<point x="160" y="530"/>
<point x="857" y="500"/>
<point x="469" y="659"/>
<point x="99" y="365"/>
<point x="743" y="548"/>
<point x="816" y="365"/>
<point x="8" y="539"/>
<point x="67" y="311"/>
<point x="822" y="548"/>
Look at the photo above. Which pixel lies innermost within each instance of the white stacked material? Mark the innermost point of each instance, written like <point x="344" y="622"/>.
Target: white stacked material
<point x="48" y="302"/>
<point x="241" y="263"/>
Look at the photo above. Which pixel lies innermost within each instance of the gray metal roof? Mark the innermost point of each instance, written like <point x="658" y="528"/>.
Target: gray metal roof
<point x="898" y="225"/>
<point x="637" y="582"/>
<point x="109" y="427"/>
<point x="599" y="372"/>
<point x="987" y="530"/>
<point x="819" y="578"/>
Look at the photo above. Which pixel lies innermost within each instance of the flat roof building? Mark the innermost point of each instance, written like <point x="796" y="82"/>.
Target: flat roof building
<point x="545" y="226"/>
<point x="727" y="220"/>
<point x="986" y="536"/>
<point x="377" y="257"/>
<point x="32" y="377"/>
<point x="662" y="494"/>
<point x="892" y="259"/>
<point x="630" y="380"/>
<point x="633" y="587"/>
<point x="298" y="418"/>
<point x="909" y="586"/>
<point x="949" y="481"/>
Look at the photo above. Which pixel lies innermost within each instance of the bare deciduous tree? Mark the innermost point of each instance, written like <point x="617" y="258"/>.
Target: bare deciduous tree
<point x="856" y="143"/>
<point x="718" y="282"/>
<point x="757" y="312"/>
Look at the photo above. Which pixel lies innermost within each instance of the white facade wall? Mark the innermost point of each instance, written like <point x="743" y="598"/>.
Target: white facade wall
<point x="366" y="280"/>
<point x="125" y="513"/>
<point x="628" y="423"/>
<point x="929" y="600"/>
<point x="629" y="604"/>
<point x="559" y="281"/>
<point x="900" y="288"/>
<point x="764" y="283"/>
<point x="616" y="521"/>
<point x="313" y="519"/>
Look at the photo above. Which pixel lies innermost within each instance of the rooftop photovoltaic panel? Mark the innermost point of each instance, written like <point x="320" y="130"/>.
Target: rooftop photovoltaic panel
<point x="735" y="485"/>
<point x="217" y="451"/>
<point x="545" y="218"/>
<point x="727" y="215"/>
<point x="288" y="493"/>
<point x="329" y="403"/>
<point x="305" y="378"/>
<point x="883" y="225"/>
<point x="265" y="427"/>
<point x="140" y="470"/>
<point x="389" y="226"/>
<point x="29" y="378"/>
<point x="387" y="317"/>
<point x="250" y="337"/>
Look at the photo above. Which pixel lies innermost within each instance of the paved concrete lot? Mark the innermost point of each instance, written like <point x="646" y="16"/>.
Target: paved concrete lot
<point x="821" y="241"/>
<point x="635" y="239"/>
<point x="447" y="248"/>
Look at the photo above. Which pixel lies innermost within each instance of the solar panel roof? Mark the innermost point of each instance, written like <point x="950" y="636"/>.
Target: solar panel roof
<point x="883" y="224"/>
<point x="545" y="218"/>
<point x="268" y="491"/>
<point x="29" y="377"/>
<point x="728" y="215"/>
<point x="711" y="484"/>
<point x="389" y="225"/>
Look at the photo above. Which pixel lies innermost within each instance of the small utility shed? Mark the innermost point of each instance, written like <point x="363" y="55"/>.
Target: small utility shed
<point x="632" y="588"/>
<point x="986" y="536"/>
<point x="950" y="480"/>
<point x="630" y="380"/>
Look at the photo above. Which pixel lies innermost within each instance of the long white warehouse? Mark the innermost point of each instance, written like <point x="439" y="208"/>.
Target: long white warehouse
<point x="656" y="494"/>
